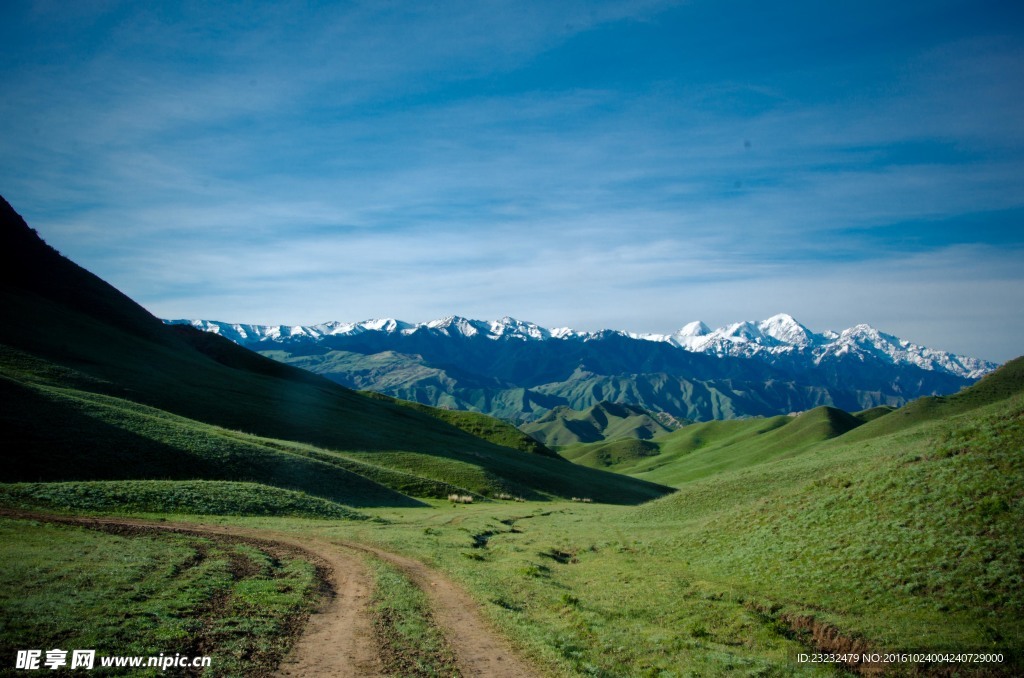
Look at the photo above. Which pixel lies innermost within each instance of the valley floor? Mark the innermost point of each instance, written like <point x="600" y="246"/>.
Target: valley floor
<point x="577" y="589"/>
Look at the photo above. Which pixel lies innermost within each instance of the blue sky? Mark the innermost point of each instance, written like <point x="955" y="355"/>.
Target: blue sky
<point x="634" y="165"/>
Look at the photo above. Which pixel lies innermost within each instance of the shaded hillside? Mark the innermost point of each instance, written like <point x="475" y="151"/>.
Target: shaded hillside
<point x="80" y="351"/>
<point x="619" y="455"/>
<point x="480" y="425"/>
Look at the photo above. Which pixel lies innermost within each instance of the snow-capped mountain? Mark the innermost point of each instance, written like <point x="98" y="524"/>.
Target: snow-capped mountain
<point x="776" y="340"/>
<point x="450" y="326"/>
<point x="782" y="335"/>
<point x="519" y="371"/>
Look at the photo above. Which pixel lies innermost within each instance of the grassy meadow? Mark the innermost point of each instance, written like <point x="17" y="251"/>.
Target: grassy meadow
<point x="905" y="541"/>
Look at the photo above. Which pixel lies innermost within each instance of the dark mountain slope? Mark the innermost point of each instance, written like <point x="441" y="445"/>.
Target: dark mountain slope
<point x="62" y="316"/>
<point x="54" y="433"/>
<point x="61" y="312"/>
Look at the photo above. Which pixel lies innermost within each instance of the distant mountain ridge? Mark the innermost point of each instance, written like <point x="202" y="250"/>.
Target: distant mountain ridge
<point x="519" y="370"/>
<point x="780" y="335"/>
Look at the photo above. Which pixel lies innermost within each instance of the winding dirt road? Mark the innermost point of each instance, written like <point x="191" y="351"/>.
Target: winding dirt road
<point x="338" y="639"/>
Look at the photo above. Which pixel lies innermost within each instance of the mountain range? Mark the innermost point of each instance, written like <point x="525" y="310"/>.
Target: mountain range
<point x="520" y="371"/>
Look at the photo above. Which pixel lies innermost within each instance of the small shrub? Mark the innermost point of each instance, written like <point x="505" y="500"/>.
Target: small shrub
<point x="534" y="570"/>
<point x="507" y="605"/>
<point x="563" y="557"/>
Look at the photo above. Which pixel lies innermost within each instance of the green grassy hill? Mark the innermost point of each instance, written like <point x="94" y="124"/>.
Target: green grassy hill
<point x="480" y="425"/>
<point x="881" y="531"/>
<point x="907" y="535"/>
<point x="96" y="387"/>
<point x="874" y="413"/>
<point x="706" y="448"/>
<point x="564" y="426"/>
<point x="205" y="497"/>
<point x="992" y="388"/>
<point x="619" y="454"/>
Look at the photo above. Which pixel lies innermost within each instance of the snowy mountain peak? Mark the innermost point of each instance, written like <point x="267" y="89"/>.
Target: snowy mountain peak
<point x="697" y="328"/>
<point x="742" y="332"/>
<point x="510" y="327"/>
<point x="564" y="333"/>
<point x="861" y="330"/>
<point x="384" y="325"/>
<point x="455" y="325"/>
<point x="445" y="322"/>
<point x="784" y="328"/>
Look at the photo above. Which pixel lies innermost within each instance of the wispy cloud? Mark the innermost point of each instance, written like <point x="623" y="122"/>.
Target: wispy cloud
<point x="296" y="163"/>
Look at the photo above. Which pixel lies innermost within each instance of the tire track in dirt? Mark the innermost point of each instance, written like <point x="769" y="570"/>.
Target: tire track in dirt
<point x="479" y="651"/>
<point x="339" y="638"/>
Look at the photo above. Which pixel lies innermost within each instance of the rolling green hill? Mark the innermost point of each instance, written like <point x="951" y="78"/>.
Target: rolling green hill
<point x="706" y="448"/>
<point x="96" y="387"/>
<point x="992" y="388"/>
<point x="564" y="426"/>
<point x="873" y="413"/>
<point x="703" y="449"/>
<point x="903" y="530"/>
<point x="619" y="454"/>
<point x="495" y="430"/>
<point x="206" y="497"/>
<point x="883" y="530"/>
